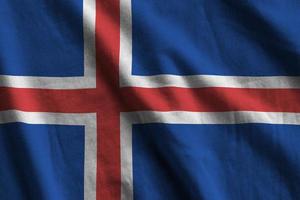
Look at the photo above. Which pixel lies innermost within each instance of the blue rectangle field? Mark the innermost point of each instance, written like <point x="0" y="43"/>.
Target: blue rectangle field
<point x="41" y="162"/>
<point x="41" y="38"/>
<point x="216" y="162"/>
<point x="216" y="37"/>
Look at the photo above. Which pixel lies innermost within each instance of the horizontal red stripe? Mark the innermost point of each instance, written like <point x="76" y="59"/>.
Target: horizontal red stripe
<point x="36" y="100"/>
<point x="163" y="99"/>
<point x="211" y="99"/>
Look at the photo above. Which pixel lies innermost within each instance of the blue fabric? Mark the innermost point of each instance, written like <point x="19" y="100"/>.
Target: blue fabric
<point x="216" y="162"/>
<point x="216" y="37"/>
<point x="41" y="38"/>
<point x="41" y="162"/>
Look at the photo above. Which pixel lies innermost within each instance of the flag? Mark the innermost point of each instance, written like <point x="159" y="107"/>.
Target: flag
<point x="149" y="100"/>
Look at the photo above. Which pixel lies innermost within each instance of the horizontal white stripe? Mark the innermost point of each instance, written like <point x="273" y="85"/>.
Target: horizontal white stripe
<point x="45" y="118"/>
<point x="238" y="117"/>
<point x="179" y="117"/>
<point x="88" y="120"/>
<point x="200" y="81"/>
<point x="48" y="82"/>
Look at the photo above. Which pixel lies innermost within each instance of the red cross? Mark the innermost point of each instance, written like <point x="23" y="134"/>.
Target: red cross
<point x="108" y="99"/>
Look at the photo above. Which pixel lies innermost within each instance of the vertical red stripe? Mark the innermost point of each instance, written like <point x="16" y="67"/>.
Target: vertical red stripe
<point x="107" y="48"/>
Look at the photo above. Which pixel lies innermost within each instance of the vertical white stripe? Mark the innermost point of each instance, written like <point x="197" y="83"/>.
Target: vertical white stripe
<point x="89" y="30"/>
<point x="126" y="159"/>
<point x="90" y="158"/>
<point x="125" y="41"/>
